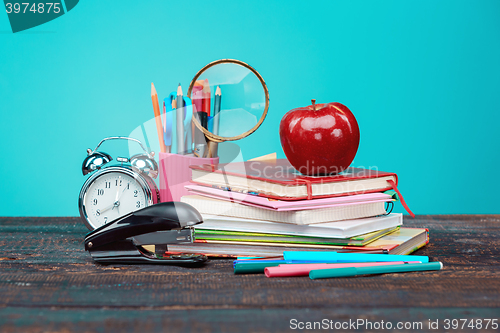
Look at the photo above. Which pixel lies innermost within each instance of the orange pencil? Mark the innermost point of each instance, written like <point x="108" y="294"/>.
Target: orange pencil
<point x="156" y="108"/>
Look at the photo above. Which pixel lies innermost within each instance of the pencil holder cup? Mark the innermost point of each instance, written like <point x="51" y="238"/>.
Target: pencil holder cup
<point x="175" y="173"/>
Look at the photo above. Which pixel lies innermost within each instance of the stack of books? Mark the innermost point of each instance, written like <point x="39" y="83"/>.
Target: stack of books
<point x="262" y="208"/>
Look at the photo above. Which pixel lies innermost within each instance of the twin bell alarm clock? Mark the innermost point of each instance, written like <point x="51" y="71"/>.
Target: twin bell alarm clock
<point x="116" y="190"/>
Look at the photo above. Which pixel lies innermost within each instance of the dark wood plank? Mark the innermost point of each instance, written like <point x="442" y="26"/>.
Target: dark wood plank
<point x="44" y="271"/>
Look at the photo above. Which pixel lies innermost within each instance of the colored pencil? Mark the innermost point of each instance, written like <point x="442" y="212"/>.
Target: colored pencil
<point x="205" y="98"/>
<point x="195" y="132"/>
<point x="201" y="113"/>
<point x="197" y="97"/>
<point x="156" y="109"/>
<point x="217" y="105"/>
<point x="212" y="145"/>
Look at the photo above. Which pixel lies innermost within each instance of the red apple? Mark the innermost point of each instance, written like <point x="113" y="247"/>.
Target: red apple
<point x="320" y="139"/>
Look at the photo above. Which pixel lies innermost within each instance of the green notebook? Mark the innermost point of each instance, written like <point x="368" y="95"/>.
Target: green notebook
<point x="222" y="235"/>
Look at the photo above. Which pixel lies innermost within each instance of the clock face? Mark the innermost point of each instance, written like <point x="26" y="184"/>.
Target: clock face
<point x="111" y="195"/>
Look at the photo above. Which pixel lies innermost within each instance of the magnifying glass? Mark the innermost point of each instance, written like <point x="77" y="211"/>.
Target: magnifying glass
<point x="230" y="101"/>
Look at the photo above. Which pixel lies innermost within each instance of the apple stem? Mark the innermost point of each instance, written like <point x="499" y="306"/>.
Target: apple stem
<point x="313" y="101"/>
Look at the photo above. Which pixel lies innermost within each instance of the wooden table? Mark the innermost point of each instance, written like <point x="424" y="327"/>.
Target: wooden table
<point x="49" y="283"/>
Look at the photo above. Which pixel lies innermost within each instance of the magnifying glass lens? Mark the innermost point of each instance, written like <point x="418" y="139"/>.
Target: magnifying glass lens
<point x="231" y="97"/>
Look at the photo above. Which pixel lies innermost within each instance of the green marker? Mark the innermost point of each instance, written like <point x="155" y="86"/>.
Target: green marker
<point x="257" y="267"/>
<point x="354" y="271"/>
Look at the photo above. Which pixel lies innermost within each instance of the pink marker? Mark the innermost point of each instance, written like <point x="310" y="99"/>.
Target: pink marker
<point x="304" y="269"/>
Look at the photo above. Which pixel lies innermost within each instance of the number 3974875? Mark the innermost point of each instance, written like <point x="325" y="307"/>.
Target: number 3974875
<point x="36" y="7"/>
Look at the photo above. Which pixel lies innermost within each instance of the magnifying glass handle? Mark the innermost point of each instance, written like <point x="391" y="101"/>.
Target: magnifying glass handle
<point x="212" y="148"/>
<point x="199" y="138"/>
<point x="199" y="150"/>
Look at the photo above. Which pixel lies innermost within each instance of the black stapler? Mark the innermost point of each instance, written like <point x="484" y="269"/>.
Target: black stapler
<point x="122" y="240"/>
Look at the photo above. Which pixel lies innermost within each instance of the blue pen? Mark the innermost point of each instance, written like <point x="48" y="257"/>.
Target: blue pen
<point x="314" y="256"/>
<point x="188" y="115"/>
<point x="186" y="124"/>
<point x="168" y="120"/>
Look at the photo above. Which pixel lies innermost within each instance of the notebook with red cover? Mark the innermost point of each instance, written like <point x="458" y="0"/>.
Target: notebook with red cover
<point x="280" y="180"/>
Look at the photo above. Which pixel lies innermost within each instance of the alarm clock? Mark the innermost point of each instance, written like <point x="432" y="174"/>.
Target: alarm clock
<point x="116" y="190"/>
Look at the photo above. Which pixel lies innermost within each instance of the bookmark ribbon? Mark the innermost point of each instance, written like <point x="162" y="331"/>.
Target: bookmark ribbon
<point x="308" y="186"/>
<point x="393" y="185"/>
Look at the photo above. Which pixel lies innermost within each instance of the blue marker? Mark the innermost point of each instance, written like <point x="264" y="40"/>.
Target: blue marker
<point x="167" y="124"/>
<point x="330" y="256"/>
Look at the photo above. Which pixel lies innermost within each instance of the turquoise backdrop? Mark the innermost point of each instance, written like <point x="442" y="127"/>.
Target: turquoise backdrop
<point x="422" y="78"/>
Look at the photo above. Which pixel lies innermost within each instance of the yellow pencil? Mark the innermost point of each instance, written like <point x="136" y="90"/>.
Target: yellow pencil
<point x="156" y="108"/>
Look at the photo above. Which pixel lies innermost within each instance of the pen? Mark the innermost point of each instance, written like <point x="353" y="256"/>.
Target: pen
<point x="188" y="121"/>
<point x="167" y="123"/>
<point x="180" y="121"/>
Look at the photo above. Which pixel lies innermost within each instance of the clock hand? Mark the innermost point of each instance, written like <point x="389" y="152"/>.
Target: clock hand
<point x="121" y="194"/>
<point x="118" y="189"/>
<point x="117" y="201"/>
<point x="108" y="208"/>
<point x="118" y="195"/>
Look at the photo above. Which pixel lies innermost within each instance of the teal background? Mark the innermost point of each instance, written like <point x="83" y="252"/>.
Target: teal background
<point x="422" y="78"/>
